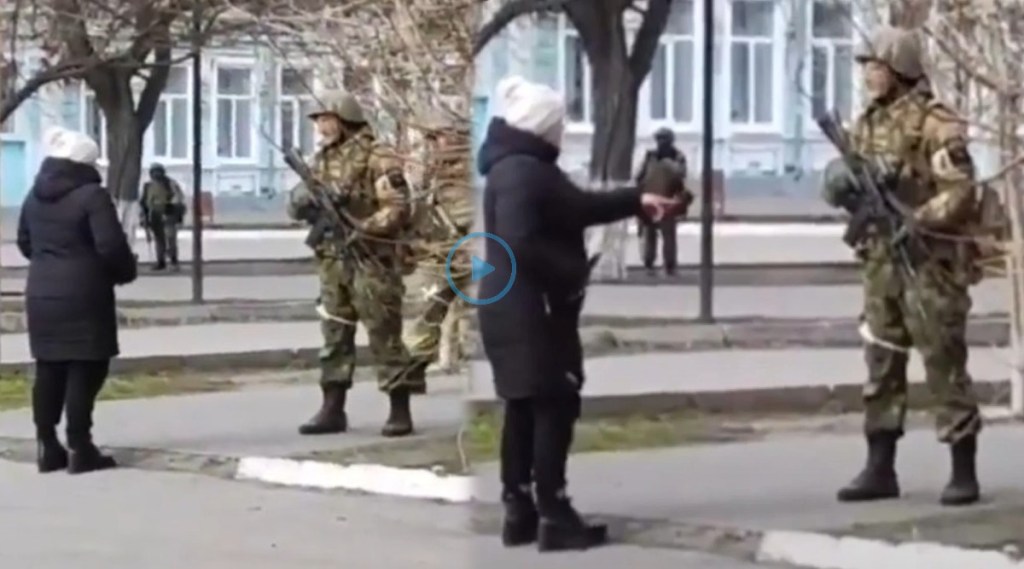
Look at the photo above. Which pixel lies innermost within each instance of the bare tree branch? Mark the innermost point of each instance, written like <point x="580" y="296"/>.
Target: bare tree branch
<point x="508" y="13"/>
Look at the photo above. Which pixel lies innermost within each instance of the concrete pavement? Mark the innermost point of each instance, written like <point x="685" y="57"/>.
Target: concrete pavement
<point x="638" y="301"/>
<point x="129" y="519"/>
<point x="735" y="243"/>
<point x="737" y="381"/>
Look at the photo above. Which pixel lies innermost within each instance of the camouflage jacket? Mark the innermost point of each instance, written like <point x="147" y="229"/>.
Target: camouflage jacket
<point x="926" y="143"/>
<point x="448" y="179"/>
<point x="369" y="177"/>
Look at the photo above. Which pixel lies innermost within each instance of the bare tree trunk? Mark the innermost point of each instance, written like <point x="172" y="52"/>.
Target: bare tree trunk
<point x="615" y="114"/>
<point x="124" y="149"/>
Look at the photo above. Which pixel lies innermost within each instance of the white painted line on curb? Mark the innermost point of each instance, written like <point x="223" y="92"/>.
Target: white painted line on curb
<point x="827" y="552"/>
<point x="369" y="478"/>
<point x="686" y="229"/>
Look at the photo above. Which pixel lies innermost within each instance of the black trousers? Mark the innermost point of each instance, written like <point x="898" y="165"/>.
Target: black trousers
<point x="649" y="233"/>
<point x="535" y="443"/>
<point x="72" y="388"/>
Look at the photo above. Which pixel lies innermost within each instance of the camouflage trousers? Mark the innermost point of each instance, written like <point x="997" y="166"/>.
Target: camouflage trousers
<point x="423" y="337"/>
<point x="374" y="298"/>
<point x="931" y="316"/>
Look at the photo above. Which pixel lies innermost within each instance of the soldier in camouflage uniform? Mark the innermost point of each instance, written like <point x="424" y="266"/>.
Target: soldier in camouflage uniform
<point x="446" y="184"/>
<point x="925" y="144"/>
<point x="373" y="191"/>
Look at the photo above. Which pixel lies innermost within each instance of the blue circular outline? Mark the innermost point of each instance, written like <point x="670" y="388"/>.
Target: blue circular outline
<point x="451" y="281"/>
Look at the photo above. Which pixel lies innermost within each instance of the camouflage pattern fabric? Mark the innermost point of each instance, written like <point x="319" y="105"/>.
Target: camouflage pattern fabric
<point x="376" y="195"/>
<point x="926" y="143"/>
<point x="447" y="177"/>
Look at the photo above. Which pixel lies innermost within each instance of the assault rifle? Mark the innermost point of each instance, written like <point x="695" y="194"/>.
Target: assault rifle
<point x="871" y="204"/>
<point x="331" y="221"/>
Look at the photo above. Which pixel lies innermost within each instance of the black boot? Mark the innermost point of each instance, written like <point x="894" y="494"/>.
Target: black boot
<point x="399" y="423"/>
<point x="878" y="479"/>
<point x="962" y="488"/>
<point x="88" y="458"/>
<point x="331" y="417"/>
<point x="521" y="519"/>
<point x="159" y="266"/>
<point x="51" y="456"/>
<point x="562" y="529"/>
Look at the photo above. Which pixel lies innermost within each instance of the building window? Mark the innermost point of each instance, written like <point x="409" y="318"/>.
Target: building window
<point x="94" y="123"/>
<point x="171" y="136"/>
<point x="577" y="80"/>
<point x="752" y="59"/>
<point x="832" y="66"/>
<point x="235" y="120"/>
<point x="297" y="101"/>
<point x="673" y="73"/>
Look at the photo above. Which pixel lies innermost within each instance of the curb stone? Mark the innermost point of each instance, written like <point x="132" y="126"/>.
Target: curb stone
<point x="804" y="549"/>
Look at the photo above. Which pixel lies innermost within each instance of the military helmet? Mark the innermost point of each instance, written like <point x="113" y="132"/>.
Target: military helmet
<point x="898" y="48"/>
<point x="665" y="134"/>
<point x="838" y="185"/>
<point x="341" y="104"/>
<point x="157" y="168"/>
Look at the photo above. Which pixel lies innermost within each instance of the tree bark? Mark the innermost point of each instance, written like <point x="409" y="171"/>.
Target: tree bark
<point x="124" y="149"/>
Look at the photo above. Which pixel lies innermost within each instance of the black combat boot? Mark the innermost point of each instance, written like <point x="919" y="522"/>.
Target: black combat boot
<point x="88" y="458"/>
<point x="962" y="488"/>
<point x="561" y="528"/>
<point x="159" y="266"/>
<point x="399" y="423"/>
<point x="51" y="456"/>
<point x="331" y="417"/>
<point x="520" y="524"/>
<point x="878" y="479"/>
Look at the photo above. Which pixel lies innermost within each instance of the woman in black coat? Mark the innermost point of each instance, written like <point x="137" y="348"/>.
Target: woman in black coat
<point x="530" y="335"/>
<point x="69" y="231"/>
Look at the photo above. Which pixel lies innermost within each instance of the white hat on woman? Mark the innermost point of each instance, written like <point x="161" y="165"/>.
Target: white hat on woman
<point x="67" y="144"/>
<point x="532" y="107"/>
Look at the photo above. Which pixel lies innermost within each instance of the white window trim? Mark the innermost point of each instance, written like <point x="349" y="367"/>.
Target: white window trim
<point x="860" y="21"/>
<point x="84" y="94"/>
<point x="250" y="64"/>
<point x="316" y="86"/>
<point x="779" y="83"/>
<point x="151" y="131"/>
<point x="585" y="126"/>
<point x="694" y="124"/>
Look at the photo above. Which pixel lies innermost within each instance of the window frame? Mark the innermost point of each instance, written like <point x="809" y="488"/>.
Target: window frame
<point x="250" y="65"/>
<point x="86" y="94"/>
<point x="295" y="100"/>
<point x="585" y="126"/>
<point x="666" y="42"/>
<point x="777" y="42"/>
<point x="807" y="75"/>
<point x="167" y="100"/>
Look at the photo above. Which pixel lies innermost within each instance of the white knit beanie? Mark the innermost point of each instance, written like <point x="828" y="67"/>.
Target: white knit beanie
<point x="70" y="145"/>
<point x="532" y="107"/>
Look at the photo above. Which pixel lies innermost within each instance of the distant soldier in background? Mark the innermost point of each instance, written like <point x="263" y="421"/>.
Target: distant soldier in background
<point x="663" y="172"/>
<point x="163" y="210"/>
<point x="371" y="188"/>
<point x="447" y="216"/>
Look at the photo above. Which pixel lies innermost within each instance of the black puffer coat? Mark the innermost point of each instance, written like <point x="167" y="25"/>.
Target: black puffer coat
<point x="531" y="334"/>
<point x="77" y="252"/>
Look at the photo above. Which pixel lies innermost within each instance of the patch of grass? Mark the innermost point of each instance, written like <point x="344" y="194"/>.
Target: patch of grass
<point x="15" y="388"/>
<point x="481" y="440"/>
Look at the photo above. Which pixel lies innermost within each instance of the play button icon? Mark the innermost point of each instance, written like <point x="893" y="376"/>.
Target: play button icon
<point x="480" y="268"/>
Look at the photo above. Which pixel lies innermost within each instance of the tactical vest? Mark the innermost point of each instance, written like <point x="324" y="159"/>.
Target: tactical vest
<point x="898" y="139"/>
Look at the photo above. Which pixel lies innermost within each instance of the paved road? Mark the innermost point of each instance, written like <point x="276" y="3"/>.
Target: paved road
<point x="734" y="244"/>
<point x="782" y="483"/>
<point x="621" y="300"/>
<point x="129" y="519"/>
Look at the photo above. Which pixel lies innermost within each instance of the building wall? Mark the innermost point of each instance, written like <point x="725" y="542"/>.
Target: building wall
<point x="258" y="170"/>
<point x="784" y="143"/>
